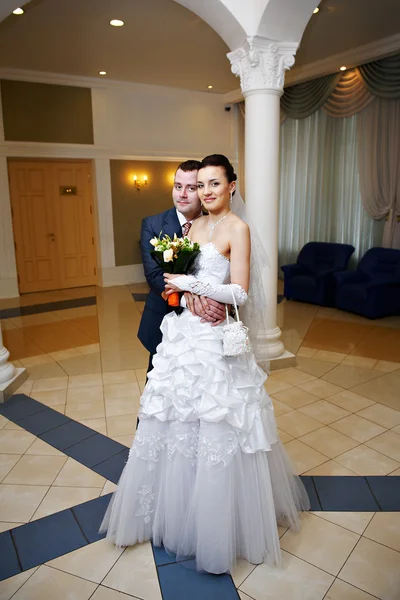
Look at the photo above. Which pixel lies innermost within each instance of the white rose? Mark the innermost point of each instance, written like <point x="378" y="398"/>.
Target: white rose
<point x="168" y="255"/>
<point x="154" y="242"/>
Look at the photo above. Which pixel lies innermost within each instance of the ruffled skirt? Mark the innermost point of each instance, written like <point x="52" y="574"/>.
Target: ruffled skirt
<point x="207" y="476"/>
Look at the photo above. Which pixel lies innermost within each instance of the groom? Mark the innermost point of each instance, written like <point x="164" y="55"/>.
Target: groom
<point x="187" y="208"/>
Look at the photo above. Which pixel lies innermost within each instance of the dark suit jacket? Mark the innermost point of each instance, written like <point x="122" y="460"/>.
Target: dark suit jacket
<point x="155" y="308"/>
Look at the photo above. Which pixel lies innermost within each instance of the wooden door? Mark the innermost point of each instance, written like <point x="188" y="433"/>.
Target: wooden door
<point x="74" y="224"/>
<point x="34" y="227"/>
<point x="53" y="224"/>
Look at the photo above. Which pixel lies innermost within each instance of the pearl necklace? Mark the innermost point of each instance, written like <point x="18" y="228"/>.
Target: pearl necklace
<point x="212" y="226"/>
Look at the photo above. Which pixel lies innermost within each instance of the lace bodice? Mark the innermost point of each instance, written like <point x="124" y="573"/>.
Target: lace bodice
<point x="211" y="266"/>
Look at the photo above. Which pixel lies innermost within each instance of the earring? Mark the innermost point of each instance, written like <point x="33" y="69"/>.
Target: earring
<point x="230" y="197"/>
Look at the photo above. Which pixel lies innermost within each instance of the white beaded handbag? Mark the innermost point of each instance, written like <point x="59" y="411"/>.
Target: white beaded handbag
<point x="235" y="340"/>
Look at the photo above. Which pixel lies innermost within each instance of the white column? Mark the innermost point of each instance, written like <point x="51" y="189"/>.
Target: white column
<point x="10" y="378"/>
<point x="7" y="370"/>
<point x="261" y="65"/>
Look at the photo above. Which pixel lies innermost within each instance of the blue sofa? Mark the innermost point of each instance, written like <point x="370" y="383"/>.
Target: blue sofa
<point x="373" y="289"/>
<point x="311" y="278"/>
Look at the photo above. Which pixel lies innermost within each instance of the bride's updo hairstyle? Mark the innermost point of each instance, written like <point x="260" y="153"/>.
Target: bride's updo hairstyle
<point x="219" y="160"/>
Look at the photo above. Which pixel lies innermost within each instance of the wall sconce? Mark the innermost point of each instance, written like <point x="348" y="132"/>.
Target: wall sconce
<point x="139" y="184"/>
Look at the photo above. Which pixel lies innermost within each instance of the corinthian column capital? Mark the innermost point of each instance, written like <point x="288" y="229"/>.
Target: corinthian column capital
<point x="261" y="64"/>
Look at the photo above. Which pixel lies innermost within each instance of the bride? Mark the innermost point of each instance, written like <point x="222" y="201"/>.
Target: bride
<point x="207" y="475"/>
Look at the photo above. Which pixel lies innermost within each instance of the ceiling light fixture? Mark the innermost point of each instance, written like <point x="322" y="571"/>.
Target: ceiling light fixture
<point x="343" y="68"/>
<point x="316" y="10"/>
<point x="210" y="87"/>
<point x="116" y="23"/>
<point x="102" y="72"/>
<point x="18" y="11"/>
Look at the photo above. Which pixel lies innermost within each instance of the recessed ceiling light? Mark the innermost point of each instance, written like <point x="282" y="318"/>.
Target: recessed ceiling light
<point x="102" y="72"/>
<point x="210" y="87"/>
<point x="343" y="68"/>
<point x="18" y="11"/>
<point x="116" y="23"/>
<point x="316" y="10"/>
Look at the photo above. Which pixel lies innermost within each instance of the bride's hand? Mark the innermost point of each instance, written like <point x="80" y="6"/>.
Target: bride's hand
<point x="169" y="286"/>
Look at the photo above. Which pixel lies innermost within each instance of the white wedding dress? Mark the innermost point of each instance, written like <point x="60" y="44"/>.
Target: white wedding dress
<point x="207" y="475"/>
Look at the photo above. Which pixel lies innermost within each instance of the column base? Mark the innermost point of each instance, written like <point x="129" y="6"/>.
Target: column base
<point x="284" y="361"/>
<point x="271" y="352"/>
<point x="8" y="388"/>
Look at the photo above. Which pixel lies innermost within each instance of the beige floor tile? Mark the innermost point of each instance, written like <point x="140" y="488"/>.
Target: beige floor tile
<point x="7" y="462"/>
<point x="386" y="366"/>
<point x="122" y="406"/>
<point x="135" y="573"/>
<point x="357" y="428"/>
<point x="105" y="593"/>
<point x="49" y="371"/>
<point x="60" y="498"/>
<point x="19" y="502"/>
<point x="242" y="571"/>
<point x="273" y="385"/>
<point x="330" y="468"/>
<point x="320" y="388"/>
<point x="8" y="587"/>
<point x="41" y="448"/>
<point x="119" y="377"/>
<point x="295" y="397"/>
<point x="121" y="390"/>
<point x="360" y="361"/>
<point x="324" y="412"/>
<point x="59" y="408"/>
<point x="3" y="422"/>
<point x="98" y="425"/>
<point x="34" y="361"/>
<point x="109" y="488"/>
<point x="91" y="562"/>
<point x="374" y="569"/>
<point x="297" y="424"/>
<point x="121" y="425"/>
<point x="366" y="461"/>
<point x="85" y="380"/>
<point x="395" y="473"/>
<point x="51" y="383"/>
<point x="350" y="401"/>
<point x="341" y="590"/>
<point x="295" y="577"/>
<point x="396" y="429"/>
<point x="85" y="410"/>
<point x="82" y="365"/>
<point x="329" y="442"/>
<point x="321" y="543"/>
<point x="314" y="367"/>
<point x="6" y="526"/>
<point x="385" y="529"/>
<point x="387" y="443"/>
<point x="303" y="457"/>
<point x="294" y="376"/>
<point x="85" y="394"/>
<point x="354" y="521"/>
<point x="89" y="349"/>
<point x="279" y="407"/>
<point x="35" y="470"/>
<point x="64" y="354"/>
<point x="335" y="357"/>
<point x="50" y="397"/>
<point x="284" y="437"/>
<point x="141" y="374"/>
<point x="26" y="387"/>
<point x="73" y="474"/>
<point x="383" y="389"/>
<point x="306" y="352"/>
<point x="15" y="442"/>
<point x="347" y="376"/>
<point x="47" y="583"/>
<point x="383" y="415"/>
<point x="124" y="360"/>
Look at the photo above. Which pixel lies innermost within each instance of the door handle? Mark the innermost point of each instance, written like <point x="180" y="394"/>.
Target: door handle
<point x="51" y="235"/>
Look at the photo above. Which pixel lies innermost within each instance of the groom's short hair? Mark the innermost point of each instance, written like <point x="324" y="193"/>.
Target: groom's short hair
<point x="189" y="165"/>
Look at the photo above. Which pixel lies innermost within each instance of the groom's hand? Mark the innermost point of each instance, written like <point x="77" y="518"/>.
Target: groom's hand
<point x="211" y="311"/>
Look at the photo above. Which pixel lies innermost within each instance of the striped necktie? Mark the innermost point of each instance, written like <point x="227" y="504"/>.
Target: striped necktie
<point x="185" y="228"/>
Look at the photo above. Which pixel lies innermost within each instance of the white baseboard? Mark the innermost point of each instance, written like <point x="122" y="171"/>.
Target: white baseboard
<point x="122" y="275"/>
<point x="9" y="288"/>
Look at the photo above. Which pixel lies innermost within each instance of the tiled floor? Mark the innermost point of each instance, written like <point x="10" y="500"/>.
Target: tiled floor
<point x="338" y="413"/>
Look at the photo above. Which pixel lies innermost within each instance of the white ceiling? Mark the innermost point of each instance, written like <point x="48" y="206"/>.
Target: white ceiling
<point x="163" y="43"/>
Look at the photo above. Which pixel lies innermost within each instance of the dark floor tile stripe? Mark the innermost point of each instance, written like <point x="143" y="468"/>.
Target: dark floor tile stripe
<point x="20" y="406"/>
<point x="112" y="468"/>
<point x="89" y="515"/>
<point x="35" y="309"/>
<point x="43" y="421"/>
<point x="345" y="493"/>
<point x="67" y="435"/>
<point x="311" y="491"/>
<point x="386" y="491"/>
<point x="9" y="563"/>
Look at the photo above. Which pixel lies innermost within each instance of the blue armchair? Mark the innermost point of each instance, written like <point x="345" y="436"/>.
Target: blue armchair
<point x="311" y="279"/>
<point x="373" y="289"/>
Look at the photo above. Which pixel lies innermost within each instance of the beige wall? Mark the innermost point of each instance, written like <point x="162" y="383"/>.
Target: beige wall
<point x="41" y="112"/>
<point x="131" y="206"/>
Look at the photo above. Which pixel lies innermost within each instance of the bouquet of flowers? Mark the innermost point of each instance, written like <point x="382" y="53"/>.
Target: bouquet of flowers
<point x="174" y="256"/>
